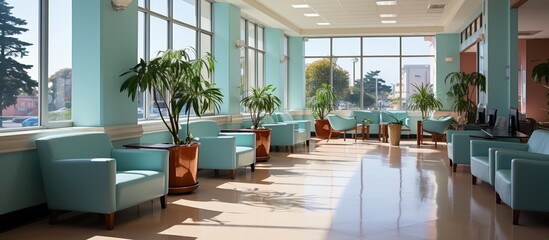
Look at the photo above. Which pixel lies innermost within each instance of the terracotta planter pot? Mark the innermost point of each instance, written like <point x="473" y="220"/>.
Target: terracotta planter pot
<point x="183" y="168"/>
<point x="263" y="144"/>
<point x="322" y="129"/>
<point x="394" y="134"/>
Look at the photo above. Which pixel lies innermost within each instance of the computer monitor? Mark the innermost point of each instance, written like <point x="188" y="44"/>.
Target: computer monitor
<point x="492" y="115"/>
<point x="513" y="119"/>
<point x="481" y="115"/>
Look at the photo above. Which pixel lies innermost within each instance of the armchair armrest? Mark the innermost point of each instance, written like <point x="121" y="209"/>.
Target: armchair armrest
<point x="529" y="187"/>
<point x="67" y="178"/>
<point x="282" y="134"/>
<point x="242" y="139"/>
<point x="505" y="157"/>
<point x="144" y="159"/>
<point x="481" y="147"/>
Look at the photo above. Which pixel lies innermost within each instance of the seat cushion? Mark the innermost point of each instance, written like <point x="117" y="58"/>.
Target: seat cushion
<point x="244" y="156"/>
<point x="136" y="186"/>
<point x="502" y="185"/>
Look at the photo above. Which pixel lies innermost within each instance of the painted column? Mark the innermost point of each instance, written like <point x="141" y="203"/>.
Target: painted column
<point x="104" y="46"/>
<point x="513" y="58"/>
<point x="296" y="85"/>
<point x="496" y="58"/>
<point x="447" y="45"/>
<point x="274" y="47"/>
<point x="227" y="55"/>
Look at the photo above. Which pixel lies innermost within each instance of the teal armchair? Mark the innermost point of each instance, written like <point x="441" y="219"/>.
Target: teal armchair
<point x="459" y="146"/>
<point x="521" y="181"/>
<point x="286" y="134"/>
<point x="343" y="124"/>
<point x="483" y="153"/>
<point x="372" y="116"/>
<point x="435" y="127"/>
<point x="82" y="172"/>
<point x="284" y="117"/>
<point x="221" y="151"/>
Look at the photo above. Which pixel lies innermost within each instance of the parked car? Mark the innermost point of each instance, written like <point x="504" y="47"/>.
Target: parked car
<point x="29" y="122"/>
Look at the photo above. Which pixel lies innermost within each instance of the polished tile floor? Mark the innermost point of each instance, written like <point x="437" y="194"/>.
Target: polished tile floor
<point x="336" y="190"/>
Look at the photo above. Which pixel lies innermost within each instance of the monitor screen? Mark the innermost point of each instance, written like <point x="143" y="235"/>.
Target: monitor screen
<point x="481" y="116"/>
<point x="492" y="115"/>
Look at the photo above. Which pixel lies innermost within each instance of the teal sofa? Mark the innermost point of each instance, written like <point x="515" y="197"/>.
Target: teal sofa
<point x="521" y="180"/>
<point x="373" y="117"/>
<point x="221" y="151"/>
<point x="483" y="153"/>
<point x="82" y="172"/>
<point x="285" y="117"/>
<point x="287" y="134"/>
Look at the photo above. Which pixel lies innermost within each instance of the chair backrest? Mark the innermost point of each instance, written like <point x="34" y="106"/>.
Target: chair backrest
<point x="439" y="126"/>
<point x="268" y="119"/>
<point x="363" y="114"/>
<point x="539" y="142"/>
<point x="283" y="116"/>
<point x="73" y="145"/>
<point x="201" y="128"/>
<point x="339" y="123"/>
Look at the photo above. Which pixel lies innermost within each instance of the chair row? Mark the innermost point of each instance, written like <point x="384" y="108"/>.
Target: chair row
<point x="517" y="171"/>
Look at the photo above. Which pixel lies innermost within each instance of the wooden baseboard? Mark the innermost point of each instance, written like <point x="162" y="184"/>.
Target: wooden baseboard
<point x="22" y="217"/>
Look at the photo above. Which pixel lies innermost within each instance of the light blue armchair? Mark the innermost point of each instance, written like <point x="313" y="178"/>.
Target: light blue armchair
<point x="284" y="117"/>
<point x="483" y="153"/>
<point x="459" y="146"/>
<point x="225" y="151"/>
<point x="287" y="134"/>
<point x="343" y="124"/>
<point x="521" y="180"/>
<point x="435" y="127"/>
<point x="372" y="116"/>
<point x="82" y="172"/>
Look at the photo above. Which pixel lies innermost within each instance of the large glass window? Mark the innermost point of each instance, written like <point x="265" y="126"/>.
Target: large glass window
<point x="23" y="81"/>
<point x="252" y="56"/>
<point x="369" y="72"/>
<point x="171" y="24"/>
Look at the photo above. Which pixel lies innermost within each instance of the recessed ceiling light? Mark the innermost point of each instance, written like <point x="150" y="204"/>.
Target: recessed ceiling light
<point x="311" y="14"/>
<point x="387" y="15"/>
<point x="386" y="2"/>
<point x="388" y="21"/>
<point x="300" y="6"/>
<point x="323" y="23"/>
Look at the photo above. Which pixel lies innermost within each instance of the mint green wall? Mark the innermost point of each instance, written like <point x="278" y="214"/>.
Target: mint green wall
<point x="296" y="85"/>
<point x="496" y="59"/>
<point x="227" y="68"/>
<point x="274" y="47"/>
<point x="104" y="46"/>
<point x="513" y="58"/>
<point x="447" y="45"/>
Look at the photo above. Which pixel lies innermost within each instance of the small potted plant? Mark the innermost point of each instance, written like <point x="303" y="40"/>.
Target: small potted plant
<point x="261" y="101"/>
<point x="176" y="82"/>
<point x="395" y="129"/>
<point x="321" y="104"/>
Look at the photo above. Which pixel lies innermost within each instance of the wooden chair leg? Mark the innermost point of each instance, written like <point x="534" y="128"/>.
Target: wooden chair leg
<point x="498" y="199"/>
<point x="435" y="139"/>
<point x="231" y="173"/>
<point x="292" y="149"/>
<point x="454" y="168"/>
<point x="473" y="179"/>
<point x="252" y="166"/>
<point x="163" y="201"/>
<point x="109" y="221"/>
<point x="356" y="132"/>
<point x="516" y="214"/>
<point x="344" y="136"/>
<point x="307" y="142"/>
<point x="450" y="160"/>
<point x="53" y="216"/>
<point x="216" y="172"/>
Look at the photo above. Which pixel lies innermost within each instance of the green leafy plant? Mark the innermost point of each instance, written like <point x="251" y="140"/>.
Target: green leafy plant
<point x="322" y="102"/>
<point x="461" y="93"/>
<point x="541" y="72"/>
<point x="261" y="101"/>
<point x="396" y="120"/>
<point x="424" y="99"/>
<point x="176" y="82"/>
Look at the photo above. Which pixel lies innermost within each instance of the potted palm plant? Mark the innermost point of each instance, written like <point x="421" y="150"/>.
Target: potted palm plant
<point x="176" y="82"/>
<point x="321" y="104"/>
<point x="461" y="92"/>
<point x="395" y="129"/>
<point x="261" y="101"/>
<point x="424" y="100"/>
<point x="541" y="72"/>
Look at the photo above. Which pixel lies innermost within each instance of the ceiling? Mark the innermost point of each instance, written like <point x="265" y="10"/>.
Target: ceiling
<point x="363" y="17"/>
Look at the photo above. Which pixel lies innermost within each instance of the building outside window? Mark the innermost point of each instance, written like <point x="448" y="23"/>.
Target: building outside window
<point x="369" y="72"/>
<point x="171" y="24"/>
<point x="34" y="90"/>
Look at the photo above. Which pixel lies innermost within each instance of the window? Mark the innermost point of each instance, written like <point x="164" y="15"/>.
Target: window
<point x="252" y="56"/>
<point x="369" y="72"/>
<point x="171" y="24"/>
<point x="23" y="81"/>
